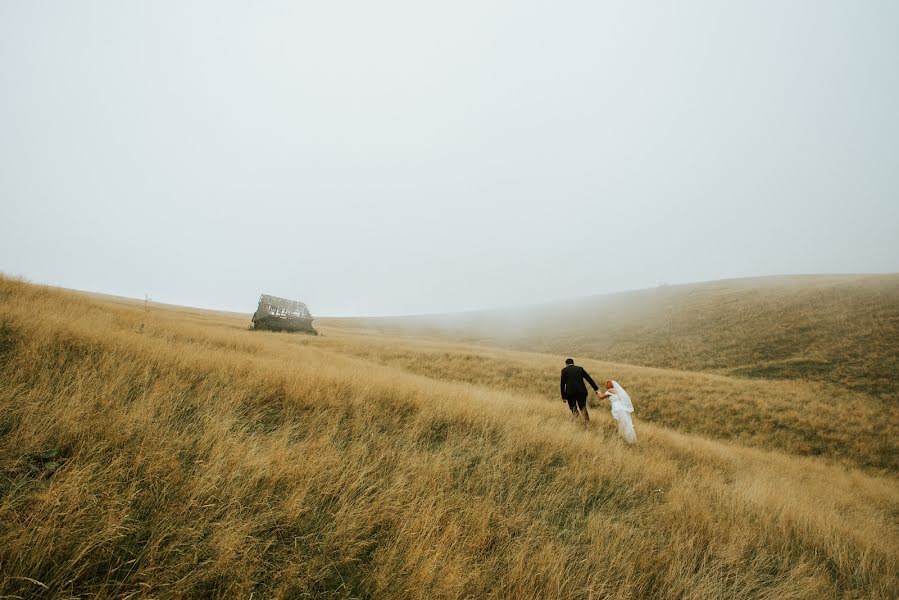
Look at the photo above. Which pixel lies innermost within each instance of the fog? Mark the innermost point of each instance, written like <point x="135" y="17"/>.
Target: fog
<point x="377" y="158"/>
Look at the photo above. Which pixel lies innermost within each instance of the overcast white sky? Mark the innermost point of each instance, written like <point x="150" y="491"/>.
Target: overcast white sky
<point x="400" y="157"/>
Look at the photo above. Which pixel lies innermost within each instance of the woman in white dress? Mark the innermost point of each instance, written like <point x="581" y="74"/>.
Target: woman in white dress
<point x="621" y="410"/>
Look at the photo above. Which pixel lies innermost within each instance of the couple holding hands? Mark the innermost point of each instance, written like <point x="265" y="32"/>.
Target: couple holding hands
<point x="575" y="392"/>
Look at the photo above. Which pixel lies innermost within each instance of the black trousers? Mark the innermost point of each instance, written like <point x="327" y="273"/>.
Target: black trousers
<point x="578" y="403"/>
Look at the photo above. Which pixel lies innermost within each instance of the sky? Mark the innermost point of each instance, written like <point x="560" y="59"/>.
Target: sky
<point x="381" y="158"/>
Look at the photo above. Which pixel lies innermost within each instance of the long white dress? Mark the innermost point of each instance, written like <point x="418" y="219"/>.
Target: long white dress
<point x="621" y="411"/>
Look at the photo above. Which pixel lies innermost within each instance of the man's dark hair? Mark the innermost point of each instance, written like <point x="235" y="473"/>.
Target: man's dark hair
<point x="569" y="361"/>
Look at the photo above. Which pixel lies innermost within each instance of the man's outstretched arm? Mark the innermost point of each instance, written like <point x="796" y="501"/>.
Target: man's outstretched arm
<point x="590" y="381"/>
<point x="562" y="386"/>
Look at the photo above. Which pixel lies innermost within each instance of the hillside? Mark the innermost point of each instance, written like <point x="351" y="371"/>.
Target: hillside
<point x="841" y="329"/>
<point x="173" y="453"/>
<point x="798" y="417"/>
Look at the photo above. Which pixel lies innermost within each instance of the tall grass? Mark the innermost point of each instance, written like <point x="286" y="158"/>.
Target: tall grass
<point x="195" y="459"/>
<point x="806" y="418"/>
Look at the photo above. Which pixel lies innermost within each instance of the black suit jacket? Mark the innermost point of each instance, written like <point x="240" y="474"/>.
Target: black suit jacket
<point x="572" y="383"/>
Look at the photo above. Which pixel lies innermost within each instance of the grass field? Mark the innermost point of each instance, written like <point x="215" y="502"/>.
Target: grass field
<point x="839" y="329"/>
<point x="172" y="453"/>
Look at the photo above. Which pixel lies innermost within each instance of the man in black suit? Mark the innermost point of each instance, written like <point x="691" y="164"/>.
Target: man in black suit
<point x="574" y="390"/>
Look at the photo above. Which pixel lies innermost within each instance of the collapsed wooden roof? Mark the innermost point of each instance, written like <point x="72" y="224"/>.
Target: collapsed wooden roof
<point x="282" y="307"/>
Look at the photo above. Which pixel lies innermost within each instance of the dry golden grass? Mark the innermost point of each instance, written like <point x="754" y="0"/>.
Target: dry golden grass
<point x="839" y="329"/>
<point x="799" y="417"/>
<point x="194" y="458"/>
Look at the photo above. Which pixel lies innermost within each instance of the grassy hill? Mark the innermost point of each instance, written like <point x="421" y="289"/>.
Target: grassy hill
<point x="841" y="329"/>
<point x="173" y="453"/>
<point x="799" y="417"/>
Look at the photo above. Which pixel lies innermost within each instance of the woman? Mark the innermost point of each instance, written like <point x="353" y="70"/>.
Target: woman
<point x="621" y="410"/>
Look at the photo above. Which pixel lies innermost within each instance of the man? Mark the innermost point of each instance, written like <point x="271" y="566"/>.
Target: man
<point x="574" y="390"/>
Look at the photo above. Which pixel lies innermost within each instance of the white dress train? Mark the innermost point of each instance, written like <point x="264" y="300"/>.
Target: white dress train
<point x="621" y="411"/>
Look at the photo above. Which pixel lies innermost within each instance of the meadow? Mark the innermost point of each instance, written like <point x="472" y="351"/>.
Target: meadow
<point x="172" y="453"/>
<point x="838" y="329"/>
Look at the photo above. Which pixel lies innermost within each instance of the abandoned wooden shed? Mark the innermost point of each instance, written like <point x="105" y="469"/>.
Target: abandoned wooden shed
<point x="280" y="314"/>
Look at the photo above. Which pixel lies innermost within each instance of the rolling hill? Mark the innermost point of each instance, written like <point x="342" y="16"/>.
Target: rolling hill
<point x="172" y="453"/>
<point x="840" y="329"/>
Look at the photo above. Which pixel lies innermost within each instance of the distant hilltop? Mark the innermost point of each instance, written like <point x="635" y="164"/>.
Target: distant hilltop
<point x="835" y="328"/>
